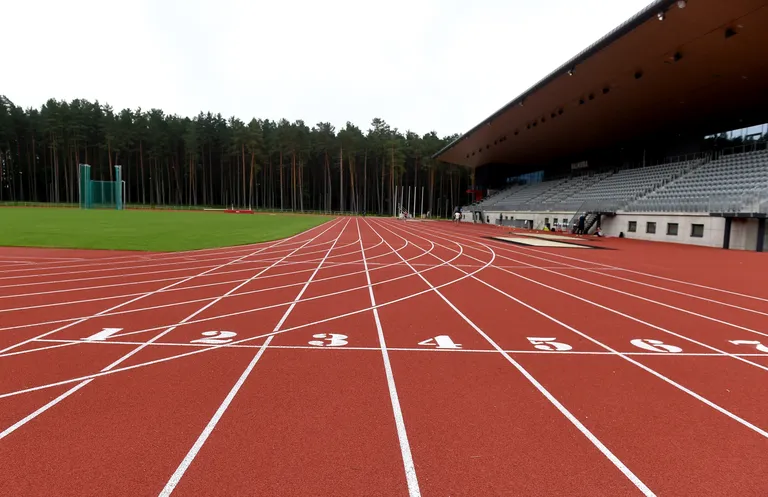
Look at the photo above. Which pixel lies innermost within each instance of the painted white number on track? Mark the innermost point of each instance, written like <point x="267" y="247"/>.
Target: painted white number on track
<point x="103" y="334"/>
<point x="215" y="337"/>
<point x="548" y="344"/>
<point x="655" y="345"/>
<point x="759" y="346"/>
<point x="441" y="342"/>
<point x="329" y="340"/>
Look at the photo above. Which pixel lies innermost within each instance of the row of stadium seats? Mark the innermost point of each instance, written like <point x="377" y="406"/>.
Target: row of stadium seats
<point x="730" y="183"/>
<point x="726" y="184"/>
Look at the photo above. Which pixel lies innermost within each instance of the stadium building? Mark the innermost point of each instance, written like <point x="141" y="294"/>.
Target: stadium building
<point x="655" y="132"/>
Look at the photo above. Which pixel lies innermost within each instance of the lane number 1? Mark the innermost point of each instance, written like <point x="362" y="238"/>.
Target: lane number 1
<point x="103" y="334"/>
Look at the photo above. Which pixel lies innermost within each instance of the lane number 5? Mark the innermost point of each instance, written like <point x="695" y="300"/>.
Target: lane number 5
<point x="548" y="344"/>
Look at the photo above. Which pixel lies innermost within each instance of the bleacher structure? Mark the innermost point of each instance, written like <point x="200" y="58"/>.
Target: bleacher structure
<point x="733" y="183"/>
<point x="728" y="184"/>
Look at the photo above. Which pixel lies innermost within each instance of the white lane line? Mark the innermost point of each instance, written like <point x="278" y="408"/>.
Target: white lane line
<point x="402" y="435"/>
<point x="42" y="409"/>
<point x="190" y="287"/>
<point x="655" y="373"/>
<point x="187" y="461"/>
<point x="249" y="339"/>
<point x="218" y="254"/>
<point x="153" y="271"/>
<point x="628" y="316"/>
<point x="104" y="312"/>
<point x="109" y="368"/>
<point x="551" y="398"/>
<point x="250" y="292"/>
<point x="650" y="275"/>
<point x="602" y="272"/>
<point x="378" y="349"/>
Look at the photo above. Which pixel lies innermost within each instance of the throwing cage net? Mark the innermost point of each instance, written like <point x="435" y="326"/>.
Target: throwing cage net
<point x="100" y="194"/>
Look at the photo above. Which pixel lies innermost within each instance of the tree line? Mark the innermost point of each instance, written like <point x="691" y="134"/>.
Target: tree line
<point x="209" y="160"/>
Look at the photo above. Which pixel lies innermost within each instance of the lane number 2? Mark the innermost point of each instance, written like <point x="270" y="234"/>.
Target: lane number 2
<point x="215" y="337"/>
<point x="329" y="340"/>
<point x="548" y="344"/>
<point x="655" y="345"/>
<point x="759" y="346"/>
<point x="441" y="342"/>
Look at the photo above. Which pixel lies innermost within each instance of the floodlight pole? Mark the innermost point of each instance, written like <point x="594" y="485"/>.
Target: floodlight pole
<point x="421" y="213"/>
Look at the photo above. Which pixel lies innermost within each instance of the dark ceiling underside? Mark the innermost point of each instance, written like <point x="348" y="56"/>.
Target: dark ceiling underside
<point x="703" y="68"/>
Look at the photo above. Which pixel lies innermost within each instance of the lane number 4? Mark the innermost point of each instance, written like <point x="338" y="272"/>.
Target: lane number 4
<point x="441" y="342"/>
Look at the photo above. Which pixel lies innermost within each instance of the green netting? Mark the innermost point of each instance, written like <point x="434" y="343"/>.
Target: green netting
<point x="103" y="194"/>
<point x="100" y="194"/>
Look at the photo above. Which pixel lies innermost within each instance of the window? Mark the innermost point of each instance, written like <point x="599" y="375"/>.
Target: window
<point x="546" y="220"/>
<point x="650" y="227"/>
<point x="565" y="221"/>
<point x="672" y="229"/>
<point x="632" y="228"/>
<point x="697" y="230"/>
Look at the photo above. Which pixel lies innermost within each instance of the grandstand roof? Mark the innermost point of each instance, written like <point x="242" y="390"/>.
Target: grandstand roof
<point x="700" y="68"/>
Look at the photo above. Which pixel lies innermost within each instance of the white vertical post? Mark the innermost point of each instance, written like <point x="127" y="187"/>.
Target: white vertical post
<point x="408" y="204"/>
<point x="422" y="202"/>
<point x="394" y="203"/>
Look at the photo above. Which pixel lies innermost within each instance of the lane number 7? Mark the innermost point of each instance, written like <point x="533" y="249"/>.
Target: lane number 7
<point x="759" y="346"/>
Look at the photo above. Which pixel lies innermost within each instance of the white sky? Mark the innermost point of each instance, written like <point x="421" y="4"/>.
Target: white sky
<point x="418" y="64"/>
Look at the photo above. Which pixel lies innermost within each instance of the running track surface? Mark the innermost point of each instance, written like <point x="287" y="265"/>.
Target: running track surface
<point x="373" y="357"/>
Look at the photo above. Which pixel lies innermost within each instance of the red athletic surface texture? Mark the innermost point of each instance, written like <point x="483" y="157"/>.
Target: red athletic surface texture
<point x="380" y="357"/>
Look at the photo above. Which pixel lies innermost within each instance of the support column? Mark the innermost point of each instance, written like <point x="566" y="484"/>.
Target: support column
<point x="727" y="233"/>
<point x="760" y="234"/>
<point x="118" y="188"/>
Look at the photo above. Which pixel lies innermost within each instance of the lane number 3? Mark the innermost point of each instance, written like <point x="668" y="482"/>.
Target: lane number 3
<point x="329" y="340"/>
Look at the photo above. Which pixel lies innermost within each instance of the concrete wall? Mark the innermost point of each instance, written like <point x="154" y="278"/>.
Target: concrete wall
<point x="713" y="228"/>
<point x="538" y="218"/>
<point x="743" y="231"/>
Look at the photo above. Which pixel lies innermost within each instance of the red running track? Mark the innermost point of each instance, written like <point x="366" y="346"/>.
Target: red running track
<point x="381" y="357"/>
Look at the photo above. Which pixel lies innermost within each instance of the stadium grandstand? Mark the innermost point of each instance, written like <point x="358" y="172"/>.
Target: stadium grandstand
<point x="657" y="132"/>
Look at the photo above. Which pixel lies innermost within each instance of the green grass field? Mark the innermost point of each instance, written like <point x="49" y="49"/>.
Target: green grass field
<point x="144" y="230"/>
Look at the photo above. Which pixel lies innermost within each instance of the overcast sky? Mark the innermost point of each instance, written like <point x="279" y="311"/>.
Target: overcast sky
<point x="418" y="64"/>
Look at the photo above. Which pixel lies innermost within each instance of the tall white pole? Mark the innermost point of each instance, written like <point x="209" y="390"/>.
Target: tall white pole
<point x="422" y="202"/>
<point x="408" y="204"/>
<point x="394" y="203"/>
<point x="415" y="194"/>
